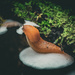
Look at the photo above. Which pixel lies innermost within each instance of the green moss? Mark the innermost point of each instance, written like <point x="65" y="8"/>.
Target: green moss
<point x="48" y="15"/>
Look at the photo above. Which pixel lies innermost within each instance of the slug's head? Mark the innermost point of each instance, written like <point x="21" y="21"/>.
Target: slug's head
<point x="31" y="32"/>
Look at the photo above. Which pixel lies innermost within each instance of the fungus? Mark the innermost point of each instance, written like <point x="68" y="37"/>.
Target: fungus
<point x="11" y="23"/>
<point x="3" y="30"/>
<point x="44" y="61"/>
<point x="8" y="24"/>
<point x="20" y="31"/>
<point x="30" y="23"/>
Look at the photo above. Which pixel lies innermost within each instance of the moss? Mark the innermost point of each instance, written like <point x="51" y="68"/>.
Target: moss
<point x="48" y="15"/>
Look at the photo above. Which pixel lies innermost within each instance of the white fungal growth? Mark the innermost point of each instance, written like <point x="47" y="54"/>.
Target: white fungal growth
<point x="30" y="23"/>
<point x="10" y="23"/>
<point x="20" y="31"/>
<point x="44" y="61"/>
<point x="3" y="30"/>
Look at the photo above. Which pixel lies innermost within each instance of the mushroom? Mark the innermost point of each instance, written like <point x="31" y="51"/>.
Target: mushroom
<point x="42" y="54"/>
<point x="8" y="24"/>
<point x="30" y="23"/>
<point x="37" y="60"/>
<point x="11" y="23"/>
<point x="3" y="30"/>
<point x="20" y="31"/>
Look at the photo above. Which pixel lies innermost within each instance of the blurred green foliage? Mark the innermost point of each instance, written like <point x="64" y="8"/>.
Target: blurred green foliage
<point x="1" y="20"/>
<point x="48" y="15"/>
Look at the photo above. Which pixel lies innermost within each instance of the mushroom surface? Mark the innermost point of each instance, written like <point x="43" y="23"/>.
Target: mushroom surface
<point x="3" y="30"/>
<point x="44" y="61"/>
<point x="8" y="24"/>
<point x="20" y="31"/>
<point x="31" y="23"/>
<point x="11" y="23"/>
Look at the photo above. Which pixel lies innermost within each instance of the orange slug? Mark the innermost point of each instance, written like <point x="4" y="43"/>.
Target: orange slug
<point x="37" y="43"/>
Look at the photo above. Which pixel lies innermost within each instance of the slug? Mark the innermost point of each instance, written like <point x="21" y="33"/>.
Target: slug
<point x="37" y="43"/>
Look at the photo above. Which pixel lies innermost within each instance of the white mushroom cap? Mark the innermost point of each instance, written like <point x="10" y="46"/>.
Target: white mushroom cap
<point x="44" y="61"/>
<point x="20" y="31"/>
<point x="11" y="23"/>
<point x="3" y="30"/>
<point x="30" y="23"/>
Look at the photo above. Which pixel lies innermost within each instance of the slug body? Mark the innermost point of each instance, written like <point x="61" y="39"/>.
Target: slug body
<point x="37" y="43"/>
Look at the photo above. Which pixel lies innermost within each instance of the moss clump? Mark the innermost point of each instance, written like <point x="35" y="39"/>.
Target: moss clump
<point x="48" y="15"/>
